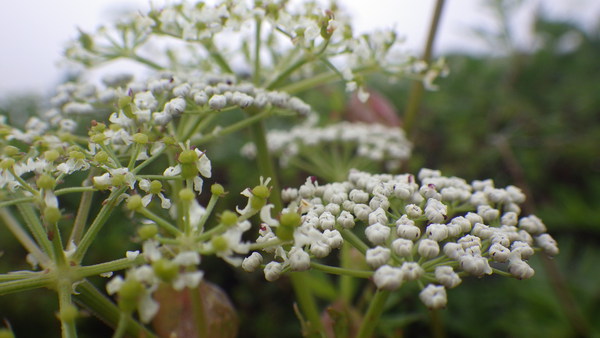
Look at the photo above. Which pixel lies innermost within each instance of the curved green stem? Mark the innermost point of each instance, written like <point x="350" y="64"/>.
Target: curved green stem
<point x="15" y="228"/>
<point x="341" y="271"/>
<point x="375" y="310"/>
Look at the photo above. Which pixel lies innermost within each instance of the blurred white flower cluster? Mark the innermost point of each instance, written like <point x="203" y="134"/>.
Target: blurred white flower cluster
<point x="343" y="145"/>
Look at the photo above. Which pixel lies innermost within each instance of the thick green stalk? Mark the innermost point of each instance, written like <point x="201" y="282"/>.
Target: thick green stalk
<point x="38" y="280"/>
<point x="417" y="89"/>
<point x="96" y="302"/>
<point x="67" y="322"/>
<point x="375" y="310"/>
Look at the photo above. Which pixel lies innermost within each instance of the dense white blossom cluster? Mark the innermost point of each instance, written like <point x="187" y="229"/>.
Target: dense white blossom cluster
<point x="432" y="230"/>
<point x="215" y="38"/>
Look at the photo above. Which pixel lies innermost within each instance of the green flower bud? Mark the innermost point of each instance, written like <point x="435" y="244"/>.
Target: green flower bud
<point x="261" y="191"/>
<point x="217" y="189"/>
<point x="189" y="170"/>
<point x="98" y="138"/>
<point x="219" y="243"/>
<point x="46" y="181"/>
<point x="101" y="157"/>
<point x="134" y="202"/>
<point x="257" y="203"/>
<point x="165" y="270"/>
<point x="129" y="294"/>
<point x="188" y="156"/>
<point x="76" y="155"/>
<point x="155" y="187"/>
<point x="187" y="194"/>
<point x="140" y="138"/>
<point x="52" y="214"/>
<point x="229" y="218"/>
<point x="98" y="127"/>
<point x="86" y="40"/>
<point x="51" y="155"/>
<point x="284" y="233"/>
<point x="7" y="163"/>
<point x="125" y="104"/>
<point x="11" y="151"/>
<point x="147" y="231"/>
<point x="290" y="220"/>
<point x="168" y="140"/>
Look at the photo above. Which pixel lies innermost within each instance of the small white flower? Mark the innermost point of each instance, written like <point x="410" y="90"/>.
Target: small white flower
<point x="548" y="244"/>
<point x="273" y="271"/>
<point x="387" y="277"/>
<point x="333" y="238"/>
<point x="114" y="285"/>
<point x="252" y="262"/>
<point x="428" y="248"/>
<point x="298" y="259"/>
<point x="346" y="220"/>
<point x="520" y="269"/>
<point x="132" y="255"/>
<point x="411" y="271"/>
<point x="377" y="256"/>
<point x="189" y="279"/>
<point x="499" y="252"/>
<point x="187" y="258"/>
<point x="446" y="276"/>
<point x="434" y="296"/>
<point x="217" y="102"/>
<point x="402" y="247"/>
<point x="377" y="233"/>
<point x="437" y="232"/>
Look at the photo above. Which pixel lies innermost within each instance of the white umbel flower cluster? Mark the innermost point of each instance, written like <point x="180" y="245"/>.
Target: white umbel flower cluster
<point x="434" y="231"/>
<point x="373" y="142"/>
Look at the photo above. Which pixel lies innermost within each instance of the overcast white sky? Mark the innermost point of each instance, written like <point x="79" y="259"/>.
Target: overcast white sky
<point x="33" y="33"/>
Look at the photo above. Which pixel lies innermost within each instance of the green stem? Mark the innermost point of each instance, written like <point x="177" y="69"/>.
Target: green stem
<point x="265" y="164"/>
<point x="306" y="300"/>
<point x="16" y="201"/>
<point x="97" y="269"/>
<point x="257" y="41"/>
<point x="15" y="228"/>
<point x="354" y="240"/>
<point x="83" y="212"/>
<point x="145" y="61"/>
<point x="57" y="246"/>
<point x="121" y="326"/>
<point x="235" y="127"/>
<point x="160" y="221"/>
<point x="32" y="221"/>
<point x="97" y="303"/>
<point x="73" y="190"/>
<point x="97" y="224"/>
<point x="375" y="310"/>
<point x="417" y="89"/>
<point x="208" y="211"/>
<point x="65" y="304"/>
<point x="342" y="271"/>
<point x="198" y="311"/>
<point x="38" y="280"/>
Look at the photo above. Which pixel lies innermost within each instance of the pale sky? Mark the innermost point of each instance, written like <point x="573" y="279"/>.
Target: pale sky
<point x="33" y="33"/>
